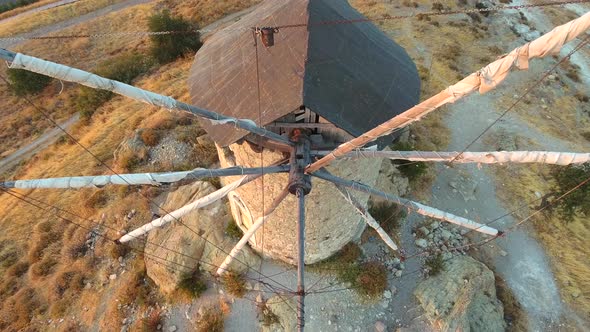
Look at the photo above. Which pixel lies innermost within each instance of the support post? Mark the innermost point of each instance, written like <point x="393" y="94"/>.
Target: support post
<point x="300" y="185"/>
<point x="301" y="260"/>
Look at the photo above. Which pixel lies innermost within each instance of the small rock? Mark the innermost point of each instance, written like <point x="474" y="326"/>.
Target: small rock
<point x="576" y="293"/>
<point x="398" y="273"/>
<point x="393" y="290"/>
<point x="159" y="327"/>
<point x="112" y="277"/>
<point x="421" y="243"/>
<point x="380" y="326"/>
<point x="424" y="230"/>
<point x="387" y="294"/>
<point x="434" y="225"/>
<point x="445" y="235"/>
<point x="259" y="298"/>
<point x="120" y="259"/>
<point x="172" y="328"/>
<point x="503" y="253"/>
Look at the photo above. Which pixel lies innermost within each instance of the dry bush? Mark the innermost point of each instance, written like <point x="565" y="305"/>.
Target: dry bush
<point x="119" y="250"/>
<point x="68" y="283"/>
<point x="8" y="257"/>
<point x="127" y="160"/>
<point x="152" y="321"/>
<point x="372" y="279"/>
<point x="572" y="70"/>
<point x="211" y="320"/>
<point x="434" y="265"/>
<point x="19" y="269"/>
<point x="167" y="48"/>
<point x="438" y="6"/>
<point x="234" y="284"/>
<point x="191" y="286"/>
<point x="582" y="97"/>
<point x="17" y="312"/>
<point x="150" y="137"/>
<point x="44" y="267"/>
<point x="97" y="200"/>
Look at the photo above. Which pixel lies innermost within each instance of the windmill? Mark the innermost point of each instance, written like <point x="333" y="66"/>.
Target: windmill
<point x="297" y="124"/>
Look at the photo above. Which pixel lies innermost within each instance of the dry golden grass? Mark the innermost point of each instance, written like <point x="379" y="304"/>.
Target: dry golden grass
<point x="20" y="10"/>
<point x="32" y="21"/>
<point x="566" y="243"/>
<point x="45" y="279"/>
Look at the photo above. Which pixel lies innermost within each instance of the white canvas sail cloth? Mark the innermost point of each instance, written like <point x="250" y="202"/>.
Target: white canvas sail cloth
<point x="411" y="205"/>
<point x="495" y="157"/>
<point x="101" y="180"/>
<point x="69" y="74"/>
<point x="367" y="217"/>
<point x="251" y="231"/>
<point x="484" y="80"/>
<point x="154" y="179"/>
<point x="199" y="203"/>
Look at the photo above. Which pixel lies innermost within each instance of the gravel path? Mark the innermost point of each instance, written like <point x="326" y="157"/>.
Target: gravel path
<point x="73" y="21"/>
<point x="38" y="9"/>
<point x="35" y="146"/>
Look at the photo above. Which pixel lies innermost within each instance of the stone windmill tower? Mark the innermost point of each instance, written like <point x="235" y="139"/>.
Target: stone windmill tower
<point x="332" y="82"/>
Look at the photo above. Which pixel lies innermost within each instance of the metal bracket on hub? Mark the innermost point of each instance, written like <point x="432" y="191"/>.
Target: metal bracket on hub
<point x="299" y="160"/>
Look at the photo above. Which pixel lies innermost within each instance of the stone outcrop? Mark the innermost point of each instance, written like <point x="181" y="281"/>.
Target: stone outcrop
<point x="330" y="221"/>
<point x="462" y="297"/>
<point x="209" y="223"/>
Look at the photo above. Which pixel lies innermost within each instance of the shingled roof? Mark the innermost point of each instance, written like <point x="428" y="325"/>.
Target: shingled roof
<point x="351" y="74"/>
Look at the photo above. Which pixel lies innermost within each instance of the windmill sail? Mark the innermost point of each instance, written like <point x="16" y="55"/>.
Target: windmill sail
<point x="199" y="203"/>
<point x="483" y="80"/>
<point x="368" y="218"/>
<point x="154" y="179"/>
<point x="251" y="231"/>
<point x="69" y="74"/>
<point x="414" y="206"/>
<point x="495" y="157"/>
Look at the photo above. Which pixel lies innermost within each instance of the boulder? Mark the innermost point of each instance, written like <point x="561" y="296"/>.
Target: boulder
<point x="462" y="297"/>
<point x="209" y="223"/>
<point x="421" y="243"/>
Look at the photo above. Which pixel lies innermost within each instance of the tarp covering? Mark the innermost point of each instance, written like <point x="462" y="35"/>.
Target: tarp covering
<point x="351" y="74"/>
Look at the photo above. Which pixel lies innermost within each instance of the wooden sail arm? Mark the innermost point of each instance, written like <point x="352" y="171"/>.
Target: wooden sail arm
<point x="367" y="217"/>
<point x="414" y="206"/>
<point x="154" y="179"/>
<point x="251" y="231"/>
<point x="199" y="203"/>
<point x="69" y="74"/>
<point x="493" y="157"/>
<point x="483" y="80"/>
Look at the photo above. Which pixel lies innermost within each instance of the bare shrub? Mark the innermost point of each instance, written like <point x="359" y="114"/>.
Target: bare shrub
<point x="234" y="284"/>
<point x="150" y="137"/>
<point x="211" y="320"/>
